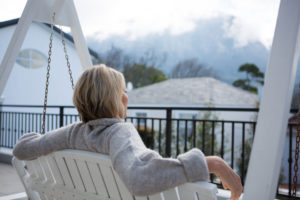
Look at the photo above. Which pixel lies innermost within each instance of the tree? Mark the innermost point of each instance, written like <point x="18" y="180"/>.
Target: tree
<point x="253" y="75"/>
<point x="150" y="58"/>
<point x="114" y="58"/>
<point x="141" y="75"/>
<point x="192" y="68"/>
<point x="118" y="59"/>
<point x="206" y="129"/>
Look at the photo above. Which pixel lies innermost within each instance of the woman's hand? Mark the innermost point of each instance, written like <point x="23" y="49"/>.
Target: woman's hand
<point x="230" y="180"/>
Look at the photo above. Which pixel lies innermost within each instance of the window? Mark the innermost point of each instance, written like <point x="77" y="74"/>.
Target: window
<point x="31" y="58"/>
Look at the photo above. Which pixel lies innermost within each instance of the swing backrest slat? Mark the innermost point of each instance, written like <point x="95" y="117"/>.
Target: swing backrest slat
<point x="75" y="174"/>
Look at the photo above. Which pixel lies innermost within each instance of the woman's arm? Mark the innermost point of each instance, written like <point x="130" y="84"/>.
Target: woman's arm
<point x="144" y="171"/>
<point x="32" y="145"/>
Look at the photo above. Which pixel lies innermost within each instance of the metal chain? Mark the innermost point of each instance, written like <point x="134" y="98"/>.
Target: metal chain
<point x="67" y="57"/>
<point x="47" y="76"/>
<point x="295" y="178"/>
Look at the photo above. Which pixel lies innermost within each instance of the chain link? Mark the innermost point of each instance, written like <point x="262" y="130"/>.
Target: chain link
<point x="48" y="76"/>
<point x="295" y="178"/>
<point x="67" y="57"/>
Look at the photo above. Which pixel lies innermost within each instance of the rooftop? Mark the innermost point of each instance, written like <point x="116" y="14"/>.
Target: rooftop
<point x="194" y="91"/>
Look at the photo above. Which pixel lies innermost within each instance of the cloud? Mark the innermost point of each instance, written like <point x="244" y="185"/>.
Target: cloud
<point x="252" y="20"/>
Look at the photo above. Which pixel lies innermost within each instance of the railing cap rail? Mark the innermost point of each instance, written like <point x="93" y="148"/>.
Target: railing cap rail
<point x="158" y="107"/>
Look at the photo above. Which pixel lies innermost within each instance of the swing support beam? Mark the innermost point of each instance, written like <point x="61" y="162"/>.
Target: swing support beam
<point x="270" y="135"/>
<point x="42" y="11"/>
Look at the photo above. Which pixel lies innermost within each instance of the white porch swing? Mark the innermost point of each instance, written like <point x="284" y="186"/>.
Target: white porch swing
<point x="91" y="177"/>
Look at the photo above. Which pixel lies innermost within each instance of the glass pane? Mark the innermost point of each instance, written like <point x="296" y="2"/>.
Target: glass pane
<point x="31" y="58"/>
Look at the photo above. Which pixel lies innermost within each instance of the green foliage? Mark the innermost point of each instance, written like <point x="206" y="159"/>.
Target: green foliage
<point x="141" y="75"/>
<point x="253" y="75"/>
<point x="247" y="151"/>
<point x="146" y="135"/>
<point x="206" y="128"/>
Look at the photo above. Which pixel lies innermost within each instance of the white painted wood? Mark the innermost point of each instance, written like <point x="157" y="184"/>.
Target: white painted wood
<point x="170" y="194"/>
<point x="46" y="170"/>
<point x="16" y="43"/>
<point x="31" y="169"/>
<point x="74" y="173"/>
<point x="200" y="189"/>
<point x="110" y="182"/>
<point x="125" y="194"/>
<point x="183" y="194"/>
<point x="42" y="11"/>
<point x="94" y="172"/>
<point x="155" y="197"/>
<point x="46" y="9"/>
<point x="264" y="167"/>
<point x="86" y="177"/>
<point x="79" y="40"/>
<point x="23" y="175"/>
<point x="55" y="171"/>
<point x="39" y="170"/>
<point x="61" y="163"/>
<point x="97" y="179"/>
<point x="17" y="196"/>
<point x="141" y="198"/>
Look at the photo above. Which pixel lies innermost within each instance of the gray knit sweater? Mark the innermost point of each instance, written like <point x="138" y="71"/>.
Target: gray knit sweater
<point x="142" y="170"/>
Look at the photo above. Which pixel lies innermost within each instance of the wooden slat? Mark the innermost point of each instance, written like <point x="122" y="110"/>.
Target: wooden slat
<point x="43" y="197"/>
<point x="31" y="169"/>
<point x="97" y="179"/>
<point x="141" y="198"/>
<point x="170" y="194"/>
<point x="86" y="177"/>
<point x="64" y="172"/>
<point x="155" y="197"/>
<point x="55" y="171"/>
<point x="110" y="182"/>
<point x="46" y="170"/>
<point x="186" y="193"/>
<point x="125" y="194"/>
<point x="77" y="180"/>
<point x="39" y="170"/>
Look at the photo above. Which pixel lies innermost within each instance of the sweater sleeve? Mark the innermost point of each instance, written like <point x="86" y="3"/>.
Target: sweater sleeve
<point x="32" y="145"/>
<point x="144" y="171"/>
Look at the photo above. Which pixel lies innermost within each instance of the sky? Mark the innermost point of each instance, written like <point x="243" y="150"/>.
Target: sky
<point x="252" y="20"/>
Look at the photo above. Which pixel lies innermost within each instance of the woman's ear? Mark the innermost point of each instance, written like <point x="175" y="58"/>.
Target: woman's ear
<point x="124" y="102"/>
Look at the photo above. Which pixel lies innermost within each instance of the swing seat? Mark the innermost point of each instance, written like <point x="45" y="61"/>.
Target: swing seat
<point x="76" y="174"/>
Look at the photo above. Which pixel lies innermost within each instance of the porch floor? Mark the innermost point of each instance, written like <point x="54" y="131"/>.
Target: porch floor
<point x="9" y="180"/>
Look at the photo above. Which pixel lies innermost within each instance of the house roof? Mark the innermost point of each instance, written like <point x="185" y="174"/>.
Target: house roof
<point x="192" y="91"/>
<point x="66" y="35"/>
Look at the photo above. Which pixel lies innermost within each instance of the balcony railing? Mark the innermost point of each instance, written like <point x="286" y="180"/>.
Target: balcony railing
<point x="164" y="132"/>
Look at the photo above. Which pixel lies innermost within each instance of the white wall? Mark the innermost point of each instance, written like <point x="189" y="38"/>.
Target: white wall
<point x="27" y="86"/>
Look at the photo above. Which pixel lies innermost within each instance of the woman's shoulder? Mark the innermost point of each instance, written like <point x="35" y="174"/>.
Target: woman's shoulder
<point x="123" y="125"/>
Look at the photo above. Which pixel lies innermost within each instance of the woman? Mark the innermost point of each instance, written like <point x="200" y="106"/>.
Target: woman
<point x="101" y="100"/>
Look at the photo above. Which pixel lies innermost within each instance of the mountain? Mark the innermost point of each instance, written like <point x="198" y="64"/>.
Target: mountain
<point x="207" y="42"/>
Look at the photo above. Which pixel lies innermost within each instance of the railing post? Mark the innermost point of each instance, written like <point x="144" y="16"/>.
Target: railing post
<point x="61" y="116"/>
<point x="168" y="132"/>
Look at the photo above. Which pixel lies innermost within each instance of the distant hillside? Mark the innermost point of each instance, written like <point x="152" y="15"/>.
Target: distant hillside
<point x="207" y="42"/>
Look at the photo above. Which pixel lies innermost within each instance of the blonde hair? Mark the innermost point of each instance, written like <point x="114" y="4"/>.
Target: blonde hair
<point x="98" y="93"/>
